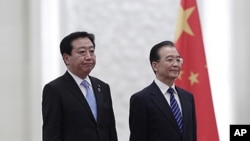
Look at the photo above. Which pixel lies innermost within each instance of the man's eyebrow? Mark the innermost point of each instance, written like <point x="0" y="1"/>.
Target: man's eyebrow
<point x="173" y="56"/>
<point x="84" y="47"/>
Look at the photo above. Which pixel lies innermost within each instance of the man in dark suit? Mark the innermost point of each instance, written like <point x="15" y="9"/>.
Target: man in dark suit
<point x="67" y="113"/>
<point x="163" y="111"/>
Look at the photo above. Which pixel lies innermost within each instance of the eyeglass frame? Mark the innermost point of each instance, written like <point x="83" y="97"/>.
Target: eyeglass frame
<point x="170" y="60"/>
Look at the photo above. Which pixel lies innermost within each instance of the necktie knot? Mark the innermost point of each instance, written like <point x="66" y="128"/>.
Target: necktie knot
<point x="170" y="90"/>
<point x="85" y="84"/>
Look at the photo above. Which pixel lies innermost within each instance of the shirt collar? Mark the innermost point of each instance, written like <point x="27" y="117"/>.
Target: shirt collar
<point x="78" y="79"/>
<point x="163" y="87"/>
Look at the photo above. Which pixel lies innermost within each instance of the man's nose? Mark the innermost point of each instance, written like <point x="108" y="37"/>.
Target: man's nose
<point x="87" y="55"/>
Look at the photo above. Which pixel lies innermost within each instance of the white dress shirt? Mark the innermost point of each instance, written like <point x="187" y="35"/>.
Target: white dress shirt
<point x="79" y="81"/>
<point x="163" y="87"/>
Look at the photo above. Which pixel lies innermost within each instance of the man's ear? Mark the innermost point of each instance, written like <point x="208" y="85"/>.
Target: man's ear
<point x="155" y="65"/>
<point x="65" y="58"/>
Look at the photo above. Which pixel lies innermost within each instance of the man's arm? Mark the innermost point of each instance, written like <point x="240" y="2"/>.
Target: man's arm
<point x="137" y="120"/>
<point x="113" y="132"/>
<point x="51" y="111"/>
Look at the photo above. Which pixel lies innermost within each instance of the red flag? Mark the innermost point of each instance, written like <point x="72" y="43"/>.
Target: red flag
<point x="194" y="74"/>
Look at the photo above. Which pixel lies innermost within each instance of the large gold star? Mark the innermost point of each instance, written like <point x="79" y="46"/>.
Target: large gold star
<point x="193" y="78"/>
<point x="182" y="23"/>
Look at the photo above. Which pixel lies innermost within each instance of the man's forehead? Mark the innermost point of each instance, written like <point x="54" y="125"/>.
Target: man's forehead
<point x="169" y="50"/>
<point x="85" y="47"/>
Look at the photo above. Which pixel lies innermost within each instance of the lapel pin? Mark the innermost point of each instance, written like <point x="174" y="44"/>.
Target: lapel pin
<point x="99" y="90"/>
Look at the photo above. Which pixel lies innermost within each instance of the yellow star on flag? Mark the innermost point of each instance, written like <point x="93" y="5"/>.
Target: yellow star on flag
<point x="193" y="78"/>
<point x="182" y="23"/>
<point x="180" y="75"/>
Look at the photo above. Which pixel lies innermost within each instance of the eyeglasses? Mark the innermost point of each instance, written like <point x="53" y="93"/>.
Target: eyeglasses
<point x="172" y="60"/>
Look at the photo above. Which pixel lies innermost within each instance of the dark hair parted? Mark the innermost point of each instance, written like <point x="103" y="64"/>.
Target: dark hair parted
<point x="154" y="53"/>
<point x="66" y="43"/>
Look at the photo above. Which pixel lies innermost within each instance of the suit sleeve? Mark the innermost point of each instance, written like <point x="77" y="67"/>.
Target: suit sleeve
<point x="113" y="133"/>
<point x="137" y="119"/>
<point x="51" y="111"/>
<point x="195" y="122"/>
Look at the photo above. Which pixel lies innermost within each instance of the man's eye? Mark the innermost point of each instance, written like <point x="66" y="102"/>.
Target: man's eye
<point x="169" y="60"/>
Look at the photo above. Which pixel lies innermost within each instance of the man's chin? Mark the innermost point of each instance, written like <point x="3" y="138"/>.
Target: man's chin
<point x="88" y="71"/>
<point x="174" y="76"/>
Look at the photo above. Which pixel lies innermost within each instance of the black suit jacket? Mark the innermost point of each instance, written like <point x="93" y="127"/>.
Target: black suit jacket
<point x="67" y="115"/>
<point x="151" y="118"/>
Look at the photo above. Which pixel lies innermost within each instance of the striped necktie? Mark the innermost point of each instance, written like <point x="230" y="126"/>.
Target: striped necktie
<point x="175" y="109"/>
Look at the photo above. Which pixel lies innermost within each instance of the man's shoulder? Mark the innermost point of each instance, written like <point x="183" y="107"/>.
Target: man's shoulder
<point x="183" y="91"/>
<point x="97" y="80"/>
<point x="59" y="79"/>
<point x="145" y="91"/>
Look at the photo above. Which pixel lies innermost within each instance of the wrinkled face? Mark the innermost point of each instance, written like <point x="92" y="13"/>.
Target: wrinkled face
<point x="169" y="65"/>
<point x="82" y="59"/>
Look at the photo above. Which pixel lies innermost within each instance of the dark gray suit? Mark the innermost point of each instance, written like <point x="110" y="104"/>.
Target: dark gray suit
<point x="151" y="118"/>
<point x="67" y="115"/>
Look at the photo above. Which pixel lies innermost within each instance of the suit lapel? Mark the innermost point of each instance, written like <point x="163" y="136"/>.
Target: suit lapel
<point x="75" y="90"/>
<point x="160" y="101"/>
<point x="185" y="106"/>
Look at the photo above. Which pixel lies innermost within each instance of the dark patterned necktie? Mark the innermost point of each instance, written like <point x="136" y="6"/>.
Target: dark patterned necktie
<point x="175" y="108"/>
